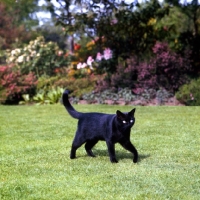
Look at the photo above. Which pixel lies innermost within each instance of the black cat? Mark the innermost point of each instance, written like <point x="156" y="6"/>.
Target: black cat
<point x="92" y="127"/>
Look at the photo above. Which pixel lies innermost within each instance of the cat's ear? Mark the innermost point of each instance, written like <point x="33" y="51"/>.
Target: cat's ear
<point x="120" y="115"/>
<point x="132" y="111"/>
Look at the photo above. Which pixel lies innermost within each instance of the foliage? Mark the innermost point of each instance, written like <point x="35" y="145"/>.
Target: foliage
<point x="36" y="140"/>
<point x="189" y="94"/>
<point x="99" y="63"/>
<point x="54" y="34"/>
<point x="78" y="87"/>
<point x="165" y="70"/>
<point x="47" y="82"/>
<point x="11" y="33"/>
<point x="26" y="100"/>
<point x="13" y="84"/>
<point x="183" y="30"/>
<point x="124" y="28"/>
<point x="48" y="95"/>
<point x="23" y="11"/>
<point x="38" y="57"/>
<point x="83" y="48"/>
<point x="133" y="28"/>
<point x="170" y="68"/>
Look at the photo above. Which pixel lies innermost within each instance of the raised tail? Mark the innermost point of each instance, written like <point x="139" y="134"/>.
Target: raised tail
<point x="68" y="106"/>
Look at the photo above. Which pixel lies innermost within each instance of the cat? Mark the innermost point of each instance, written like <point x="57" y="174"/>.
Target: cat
<point x="92" y="127"/>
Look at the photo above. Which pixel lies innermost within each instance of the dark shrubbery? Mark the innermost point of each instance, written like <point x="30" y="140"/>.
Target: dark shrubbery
<point x="170" y="68"/>
<point x="166" y="70"/>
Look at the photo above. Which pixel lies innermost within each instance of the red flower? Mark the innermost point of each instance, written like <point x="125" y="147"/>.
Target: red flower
<point x="77" y="47"/>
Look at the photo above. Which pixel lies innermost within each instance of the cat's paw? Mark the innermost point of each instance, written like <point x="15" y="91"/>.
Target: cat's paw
<point x="72" y="157"/>
<point x="114" y="160"/>
<point x="135" y="160"/>
<point x="90" y="153"/>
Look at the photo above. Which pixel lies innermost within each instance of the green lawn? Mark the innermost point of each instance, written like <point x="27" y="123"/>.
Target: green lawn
<point x="35" y="143"/>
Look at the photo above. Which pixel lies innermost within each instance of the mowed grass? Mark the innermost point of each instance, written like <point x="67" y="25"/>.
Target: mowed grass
<point x="35" y="144"/>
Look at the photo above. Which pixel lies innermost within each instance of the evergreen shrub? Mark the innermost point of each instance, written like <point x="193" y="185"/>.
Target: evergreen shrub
<point x="189" y="94"/>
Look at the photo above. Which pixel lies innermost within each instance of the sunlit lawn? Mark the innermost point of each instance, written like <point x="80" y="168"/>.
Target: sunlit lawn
<point x="35" y="143"/>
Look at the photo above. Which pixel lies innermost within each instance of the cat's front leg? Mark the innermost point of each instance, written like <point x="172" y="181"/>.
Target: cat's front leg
<point x="129" y="146"/>
<point x="111" y="151"/>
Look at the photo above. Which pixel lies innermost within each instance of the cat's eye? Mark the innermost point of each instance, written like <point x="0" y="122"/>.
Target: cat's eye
<point x="131" y="121"/>
<point x="124" y="122"/>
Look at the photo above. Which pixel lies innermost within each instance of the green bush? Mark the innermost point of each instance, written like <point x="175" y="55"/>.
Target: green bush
<point x="46" y="81"/>
<point x="48" y="96"/>
<point x="189" y="94"/>
<point x="78" y="87"/>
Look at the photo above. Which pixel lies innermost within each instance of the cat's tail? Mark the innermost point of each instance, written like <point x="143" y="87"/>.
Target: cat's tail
<point x="68" y="106"/>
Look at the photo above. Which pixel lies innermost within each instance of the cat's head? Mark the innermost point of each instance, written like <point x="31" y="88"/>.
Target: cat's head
<point x="126" y="119"/>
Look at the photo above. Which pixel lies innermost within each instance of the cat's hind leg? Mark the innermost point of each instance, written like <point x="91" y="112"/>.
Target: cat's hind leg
<point x="75" y="145"/>
<point x="88" y="147"/>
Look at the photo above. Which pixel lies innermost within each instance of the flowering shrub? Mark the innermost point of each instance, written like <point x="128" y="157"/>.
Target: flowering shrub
<point x="170" y="69"/>
<point x="97" y="63"/>
<point x="38" y="57"/>
<point x="165" y="70"/>
<point x="13" y="84"/>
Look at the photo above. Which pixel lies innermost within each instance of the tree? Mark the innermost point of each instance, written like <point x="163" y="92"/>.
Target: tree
<point x="24" y="11"/>
<point x="125" y="28"/>
<point x="10" y="31"/>
<point x="183" y="25"/>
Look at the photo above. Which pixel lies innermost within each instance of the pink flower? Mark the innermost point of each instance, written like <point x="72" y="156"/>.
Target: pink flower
<point x="107" y="54"/>
<point x="90" y="60"/>
<point x="99" y="57"/>
<point x="191" y="96"/>
<point x="114" y="21"/>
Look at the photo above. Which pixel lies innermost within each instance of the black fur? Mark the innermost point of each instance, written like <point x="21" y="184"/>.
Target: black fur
<point x="92" y="127"/>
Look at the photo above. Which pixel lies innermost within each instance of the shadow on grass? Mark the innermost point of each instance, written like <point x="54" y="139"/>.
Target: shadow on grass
<point x="120" y="155"/>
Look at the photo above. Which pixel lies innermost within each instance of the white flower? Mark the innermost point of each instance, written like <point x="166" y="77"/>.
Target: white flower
<point x="33" y="53"/>
<point x="18" y="50"/>
<point x="79" y="66"/>
<point x="60" y="53"/>
<point x="27" y="58"/>
<point x="90" y="60"/>
<point x="15" y="52"/>
<point x="12" y="52"/>
<point x="84" y="65"/>
<point x="10" y="59"/>
<point x="20" y="59"/>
